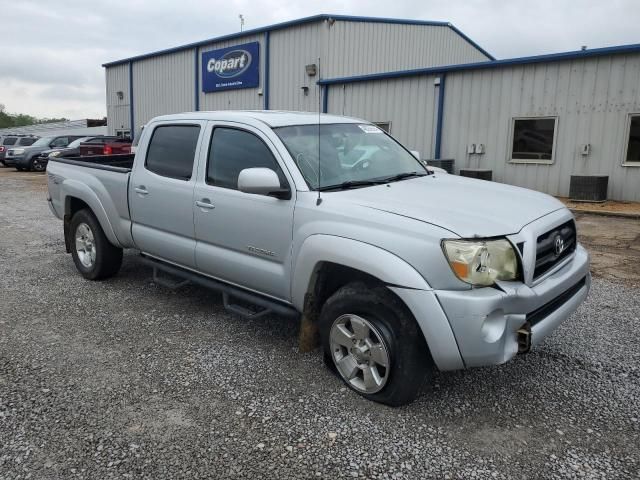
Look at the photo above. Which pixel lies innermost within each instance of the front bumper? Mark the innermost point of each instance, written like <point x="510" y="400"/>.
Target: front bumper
<point x="23" y="162"/>
<point x="12" y="161"/>
<point x="485" y="321"/>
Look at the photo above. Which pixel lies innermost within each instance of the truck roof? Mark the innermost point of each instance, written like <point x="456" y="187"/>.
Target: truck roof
<point x="273" y="118"/>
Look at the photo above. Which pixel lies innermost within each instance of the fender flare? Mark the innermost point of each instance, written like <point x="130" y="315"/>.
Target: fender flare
<point x="375" y="261"/>
<point x="79" y="190"/>
<point x="400" y="277"/>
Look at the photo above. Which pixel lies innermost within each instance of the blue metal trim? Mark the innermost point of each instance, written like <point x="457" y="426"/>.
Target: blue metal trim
<point x="471" y="42"/>
<point x="436" y="154"/>
<point x="325" y="98"/>
<point x="196" y="61"/>
<point x="290" y="23"/>
<point x="553" y="57"/>
<point x="265" y="82"/>
<point x="131" y="120"/>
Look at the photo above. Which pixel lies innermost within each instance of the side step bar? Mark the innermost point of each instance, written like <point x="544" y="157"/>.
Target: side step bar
<point x="267" y="305"/>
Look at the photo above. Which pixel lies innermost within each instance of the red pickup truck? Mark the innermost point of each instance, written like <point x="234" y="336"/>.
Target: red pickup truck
<point x="106" y="146"/>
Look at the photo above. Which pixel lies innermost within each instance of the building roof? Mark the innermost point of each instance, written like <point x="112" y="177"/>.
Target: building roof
<point x="273" y="118"/>
<point x="553" y="57"/>
<point x="292" y="23"/>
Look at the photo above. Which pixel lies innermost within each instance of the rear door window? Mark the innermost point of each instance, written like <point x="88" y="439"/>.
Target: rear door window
<point x="172" y="150"/>
<point x="25" y="142"/>
<point x="9" y="141"/>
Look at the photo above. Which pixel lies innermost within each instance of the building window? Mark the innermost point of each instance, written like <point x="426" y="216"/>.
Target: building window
<point x="386" y="126"/>
<point x="533" y="140"/>
<point x="123" y="133"/>
<point x="632" y="154"/>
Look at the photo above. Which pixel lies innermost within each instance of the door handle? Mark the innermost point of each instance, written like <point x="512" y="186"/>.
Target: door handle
<point x="141" y="190"/>
<point x="205" y="203"/>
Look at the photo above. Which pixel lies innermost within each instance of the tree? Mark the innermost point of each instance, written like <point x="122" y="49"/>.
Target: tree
<point x="8" y="120"/>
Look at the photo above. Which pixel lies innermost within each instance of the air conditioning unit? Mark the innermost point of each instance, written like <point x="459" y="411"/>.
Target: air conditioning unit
<point x="588" y="188"/>
<point x="478" y="173"/>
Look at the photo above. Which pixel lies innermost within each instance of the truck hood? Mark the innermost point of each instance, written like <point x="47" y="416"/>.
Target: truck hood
<point x="467" y="207"/>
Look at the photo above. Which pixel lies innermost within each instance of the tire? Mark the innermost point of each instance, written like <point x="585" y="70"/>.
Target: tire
<point x="391" y="336"/>
<point x="38" y="167"/>
<point x="95" y="257"/>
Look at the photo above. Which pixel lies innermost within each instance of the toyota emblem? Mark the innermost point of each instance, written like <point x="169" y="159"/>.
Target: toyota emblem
<point x="558" y="245"/>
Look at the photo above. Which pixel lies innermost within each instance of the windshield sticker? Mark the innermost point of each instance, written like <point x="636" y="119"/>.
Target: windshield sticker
<point x="370" y="129"/>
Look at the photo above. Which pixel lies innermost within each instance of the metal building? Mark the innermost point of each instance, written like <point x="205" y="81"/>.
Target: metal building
<point x="533" y="121"/>
<point x="173" y="80"/>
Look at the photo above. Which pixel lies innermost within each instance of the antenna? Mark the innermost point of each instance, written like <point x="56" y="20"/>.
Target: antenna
<point x="241" y="17"/>
<point x="319" y="200"/>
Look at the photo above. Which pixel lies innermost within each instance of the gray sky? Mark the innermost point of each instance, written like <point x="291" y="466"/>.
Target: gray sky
<point x="51" y="51"/>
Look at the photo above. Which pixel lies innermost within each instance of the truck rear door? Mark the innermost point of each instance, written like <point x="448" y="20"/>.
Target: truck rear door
<point x="161" y="191"/>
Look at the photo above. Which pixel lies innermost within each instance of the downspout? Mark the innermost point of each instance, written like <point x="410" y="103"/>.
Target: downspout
<point x="266" y="70"/>
<point x="131" y="120"/>
<point x="196" y="76"/>
<point x="325" y="98"/>
<point x="440" y="116"/>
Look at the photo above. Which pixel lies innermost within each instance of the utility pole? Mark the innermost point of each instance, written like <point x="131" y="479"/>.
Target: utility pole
<point x="241" y="17"/>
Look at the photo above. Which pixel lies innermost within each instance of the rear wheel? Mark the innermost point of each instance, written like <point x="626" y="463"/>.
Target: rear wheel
<point x="374" y="344"/>
<point x="95" y="257"/>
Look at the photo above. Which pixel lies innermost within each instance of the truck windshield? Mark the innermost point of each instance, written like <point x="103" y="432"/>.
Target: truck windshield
<point x="351" y="155"/>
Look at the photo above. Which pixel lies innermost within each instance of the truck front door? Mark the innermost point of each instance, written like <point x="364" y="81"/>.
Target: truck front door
<point x="161" y="191"/>
<point x="242" y="238"/>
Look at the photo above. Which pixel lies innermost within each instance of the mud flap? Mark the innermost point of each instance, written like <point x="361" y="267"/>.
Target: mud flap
<point x="309" y="337"/>
<point x="67" y="233"/>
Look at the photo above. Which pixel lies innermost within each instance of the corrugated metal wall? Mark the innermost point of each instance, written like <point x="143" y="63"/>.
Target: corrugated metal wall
<point x="163" y="85"/>
<point x="117" y="80"/>
<point x="290" y="51"/>
<point x="409" y="104"/>
<point x="357" y="48"/>
<point x="592" y="99"/>
<point x="240" y="99"/>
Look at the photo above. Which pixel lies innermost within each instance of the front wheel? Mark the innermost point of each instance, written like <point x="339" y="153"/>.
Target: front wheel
<point x="374" y="344"/>
<point x="95" y="257"/>
<point x="38" y="166"/>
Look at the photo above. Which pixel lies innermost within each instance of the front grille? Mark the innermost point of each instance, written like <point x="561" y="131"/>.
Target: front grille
<point x="548" y="253"/>
<point x="547" y="309"/>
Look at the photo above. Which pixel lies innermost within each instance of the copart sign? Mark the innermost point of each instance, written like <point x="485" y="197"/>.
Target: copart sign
<point x="231" y="67"/>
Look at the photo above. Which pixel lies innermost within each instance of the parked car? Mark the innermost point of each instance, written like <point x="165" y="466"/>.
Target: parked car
<point x="73" y="149"/>
<point x="11" y="141"/>
<point x="23" y="158"/>
<point x="109" y="146"/>
<point x="402" y="270"/>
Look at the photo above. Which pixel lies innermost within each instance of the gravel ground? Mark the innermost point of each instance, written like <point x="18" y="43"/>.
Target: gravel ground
<point x="125" y="379"/>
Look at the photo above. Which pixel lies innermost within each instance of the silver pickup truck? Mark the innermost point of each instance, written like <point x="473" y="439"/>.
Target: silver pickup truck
<point x="399" y="268"/>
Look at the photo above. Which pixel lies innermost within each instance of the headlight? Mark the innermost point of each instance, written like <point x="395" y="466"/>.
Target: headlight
<point x="481" y="262"/>
<point x="55" y="154"/>
<point x="18" y="151"/>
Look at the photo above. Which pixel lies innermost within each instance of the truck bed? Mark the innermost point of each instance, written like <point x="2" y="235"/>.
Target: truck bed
<point x="114" y="163"/>
<point x="102" y="182"/>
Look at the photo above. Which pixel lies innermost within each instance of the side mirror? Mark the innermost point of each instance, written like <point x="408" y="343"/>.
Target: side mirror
<point x="416" y="154"/>
<point x="262" y="181"/>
